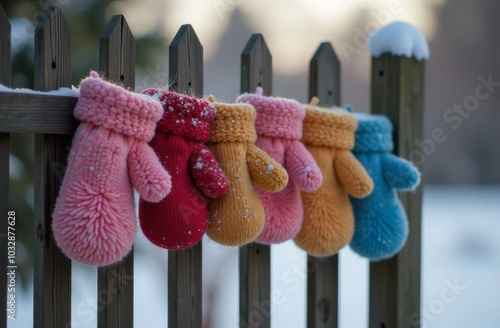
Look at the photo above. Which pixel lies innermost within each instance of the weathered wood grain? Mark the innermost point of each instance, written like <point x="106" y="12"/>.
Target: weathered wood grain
<point x="32" y="113"/>
<point x="324" y="75"/>
<point x="52" y="281"/>
<point x="185" y="267"/>
<point x="256" y="66"/>
<point x="323" y="279"/>
<point x="186" y="62"/>
<point x="115" y="283"/>
<point x="255" y="259"/>
<point x="398" y="92"/>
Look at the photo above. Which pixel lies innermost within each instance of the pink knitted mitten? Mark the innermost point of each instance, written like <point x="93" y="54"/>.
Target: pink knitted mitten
<point x="94" y="220"/>
<point x="279" y="130"/>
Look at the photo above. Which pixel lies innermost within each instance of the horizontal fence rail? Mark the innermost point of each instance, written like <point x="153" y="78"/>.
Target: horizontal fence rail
<point x="397" y="91"/>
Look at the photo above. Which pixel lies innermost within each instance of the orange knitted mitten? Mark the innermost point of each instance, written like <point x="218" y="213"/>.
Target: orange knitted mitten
<point x="328" y="217"/>
<point x="237" y="218"/>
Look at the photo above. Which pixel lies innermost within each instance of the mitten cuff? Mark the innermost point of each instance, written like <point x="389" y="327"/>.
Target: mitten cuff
<point x="105" y="104"/>
<point x="233" y="123"/>
<point x="184" y="115"/>
<point x="374" y="133"/>
<point x="333" y="128"/>
<point x="276" y="117"/>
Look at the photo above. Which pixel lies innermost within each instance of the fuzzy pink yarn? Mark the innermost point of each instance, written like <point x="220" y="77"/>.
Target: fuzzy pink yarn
<point x="276" y="116"/>
<point x="279" y="130"/>
<point x="94" y="219"/>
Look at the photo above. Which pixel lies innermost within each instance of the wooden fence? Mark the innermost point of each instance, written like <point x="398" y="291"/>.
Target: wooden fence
<point x="397" y="91"/>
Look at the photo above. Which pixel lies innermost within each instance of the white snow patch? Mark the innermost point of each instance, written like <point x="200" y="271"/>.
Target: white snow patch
<point x="270" y="167"/>
<point x="170" y="108"/>
<point x="307" y="168"/>
<point x="199" y="166"/>
<point x="194" y="122"/>
<point x="63" y="92"/>
<point x="399" y="39"/>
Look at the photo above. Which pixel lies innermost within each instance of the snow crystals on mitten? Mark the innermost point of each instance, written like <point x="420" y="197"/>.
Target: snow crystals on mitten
<point x="381" y="223"/>
<point x="94" y="219"/>
<point x="180" y="220"/>
<point x="279" y="130"/>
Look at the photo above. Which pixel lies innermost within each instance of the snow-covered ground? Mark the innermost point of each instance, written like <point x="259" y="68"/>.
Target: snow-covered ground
<point x="460" y="273"/>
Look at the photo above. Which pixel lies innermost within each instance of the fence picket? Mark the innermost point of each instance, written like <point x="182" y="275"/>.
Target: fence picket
<point x="52" y="281"/>
<point x="398" y="92"/>
<point x="115" y="283"/>
<point x="185" y="267"/>
<point x="255" y="259"/>
<point x="322" y="280"/>
<point x="4" y="158"/>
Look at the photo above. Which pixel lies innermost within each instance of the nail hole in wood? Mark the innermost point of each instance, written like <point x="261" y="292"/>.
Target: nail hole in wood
<point x="53" y="65"/>
<point x="257" y="251"/>
<point x="122" y="78"/>
<point x="259" y="84"/>
<point x="189" y="84"/>
<point x="330" y="92"/>
<point x="382" y="325"/>
<point x="381" y="73"/>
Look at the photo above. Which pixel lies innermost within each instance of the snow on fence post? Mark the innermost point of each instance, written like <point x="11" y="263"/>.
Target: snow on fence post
<point x="4" y="158"/>
<point x="397" y="90"/>
<point x="115" y="283"/>
<point x="255" y="259"/>
<point x="185" y="267"/>
<point x="322" y="278"/>
<point x="52" y="280"/>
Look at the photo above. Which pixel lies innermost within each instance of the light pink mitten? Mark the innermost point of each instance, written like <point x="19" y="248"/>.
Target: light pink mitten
<point x="94" y="220"/>
<point x="279" y="130"/>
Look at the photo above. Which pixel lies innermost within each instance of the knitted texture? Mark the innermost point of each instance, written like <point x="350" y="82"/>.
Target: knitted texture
<point x="180" y="220"/>
<point x="94" y="219"/>
<point x="237" y="218"/>
<point x="328" y="217"/>
<point x="279" y="129"/>
<point x="381" y="224"/>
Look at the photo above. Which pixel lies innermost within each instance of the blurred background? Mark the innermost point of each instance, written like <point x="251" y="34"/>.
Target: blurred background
<point x="462" y="175"/>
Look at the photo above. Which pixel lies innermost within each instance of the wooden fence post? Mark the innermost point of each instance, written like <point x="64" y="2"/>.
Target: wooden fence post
<point x="4" y="160"/>
<point x="322" y="282"/>
<point x="398" y="92"/>
<point x="255" y="259"/>
<point x="52" y="281"/>
<point x="185" y="267"/>
<point x="115" y="287"/>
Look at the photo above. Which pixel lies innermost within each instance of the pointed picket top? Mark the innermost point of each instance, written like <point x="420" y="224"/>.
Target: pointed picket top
<point x="324" y="76"/>
<point x="117" y="64"/>
<point x="52" y="51"/>
<point x="322" y="283"/>
<point x="117" y="52"/>
<point x="184" y="268"/>
<point x="256" y="66"/>
<point x="186" y="62"/>
<point x="5" y="31"/>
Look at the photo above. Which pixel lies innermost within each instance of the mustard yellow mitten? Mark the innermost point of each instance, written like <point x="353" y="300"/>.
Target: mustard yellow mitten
<point x="328" y="216"/>
<point x="238" y="217"/>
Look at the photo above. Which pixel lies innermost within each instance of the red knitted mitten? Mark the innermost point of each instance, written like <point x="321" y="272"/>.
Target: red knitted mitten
<point x="180" y="220"/>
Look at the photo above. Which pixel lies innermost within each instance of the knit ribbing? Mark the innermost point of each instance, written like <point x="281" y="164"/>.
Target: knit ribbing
<point x="328" y="127"/>
<point x="105" y="104"/>
<point x="186" y="116"/>
<point x="276" y="116"/>
<point x="233" y="123"/>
